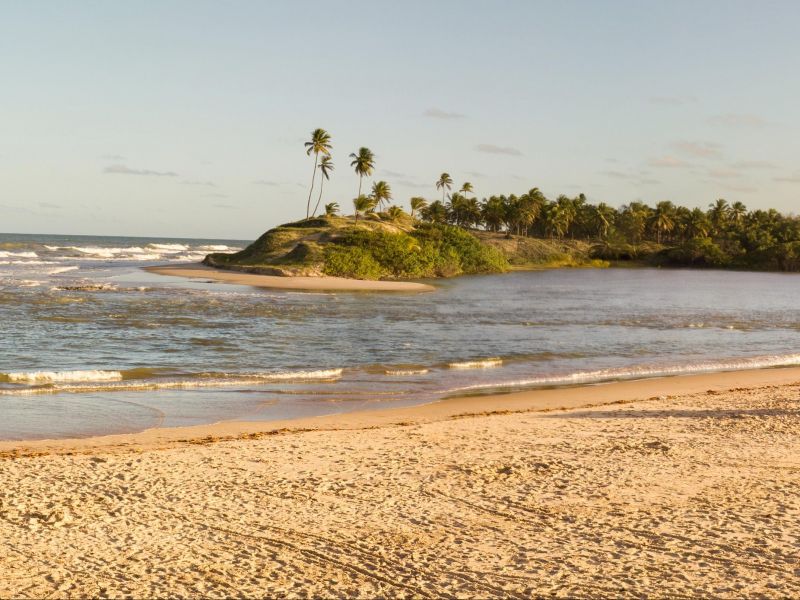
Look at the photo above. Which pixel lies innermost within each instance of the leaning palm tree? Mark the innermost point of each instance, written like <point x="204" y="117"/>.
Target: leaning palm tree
<point x="417" y="204"/>
<point x="331" y="209"/>
<point x="466" y="188"/>
<point x="320" y="142"/>
<point x="363" y="163"/>
<point x="381" y="192"/>
<point x="445" y="183"/>
<point x="363" y="204"/>
<point x="325" y="168"/>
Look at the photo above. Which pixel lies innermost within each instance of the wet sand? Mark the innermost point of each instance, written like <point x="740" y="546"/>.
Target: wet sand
<point x="200" y="271"/>
<point x="680" y="486"/>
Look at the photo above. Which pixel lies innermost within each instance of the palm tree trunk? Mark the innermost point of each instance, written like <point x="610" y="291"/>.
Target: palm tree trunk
<point x="321" y="184"/>
<point x="360" y="177"/>
<point x="313" y="177"/>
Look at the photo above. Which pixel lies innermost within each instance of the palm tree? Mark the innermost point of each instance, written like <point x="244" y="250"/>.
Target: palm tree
<point x="718" y="214"/>
<point x="417" y="204"/>
<point x="325" y="168"/>
<point x="738" y="212"/>
<point x="363" y="204"/>
<point x="331" y="209"/>
<point x="381" y="192"/>
<point x="466" y="188"/>
<point x="664" y="218"/>
<point x="395" y="212"/>
<point x="445" y="183"/>
<point x="320" y="142"/>
<point x="435" y="212"/>
<point x="604" y="218"/>
<point x="363" y="163"/>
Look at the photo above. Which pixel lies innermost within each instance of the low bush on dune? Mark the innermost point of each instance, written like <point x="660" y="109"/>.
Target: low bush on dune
<point x="430" y="251"/>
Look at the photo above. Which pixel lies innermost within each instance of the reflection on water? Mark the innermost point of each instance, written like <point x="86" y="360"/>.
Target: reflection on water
<point x="92" y="344"/>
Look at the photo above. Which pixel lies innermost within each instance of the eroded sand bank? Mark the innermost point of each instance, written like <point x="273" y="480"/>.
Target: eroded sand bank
<point x="692" y="494"/>
<point x="289" y="283"/>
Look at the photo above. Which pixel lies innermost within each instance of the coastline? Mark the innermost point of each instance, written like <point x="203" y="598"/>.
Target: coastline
<point x="688" y="493"/>
<point x="536" y="400"/>
<point x="319" y="284"/>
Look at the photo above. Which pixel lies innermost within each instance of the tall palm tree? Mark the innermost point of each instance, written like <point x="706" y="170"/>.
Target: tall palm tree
<point x="663" y="218"/>
<point x="466" y="188"/>
<point x="325" y="168"/>
<point x="445" y="183"/>
<point x="381" y="192"/>
<point x="363" y="204"/>
<point x="320" y="143"/>
<point x="363" y="163"/>
<point x="417" y="204"/>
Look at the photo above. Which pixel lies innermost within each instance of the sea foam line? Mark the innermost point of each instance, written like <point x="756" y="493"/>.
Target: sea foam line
<point x="484" y="363"/>
<point x="645" y="371"/>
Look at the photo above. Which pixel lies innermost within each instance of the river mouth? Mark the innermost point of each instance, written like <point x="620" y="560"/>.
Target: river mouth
<point x="92" y="344"/>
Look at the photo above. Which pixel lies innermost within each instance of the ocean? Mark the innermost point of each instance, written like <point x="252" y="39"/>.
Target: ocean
<point x="92" y="344"/>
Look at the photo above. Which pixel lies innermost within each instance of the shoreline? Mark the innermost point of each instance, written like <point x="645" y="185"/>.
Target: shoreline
<point x="537" y="400"/>
<point x="199" y="270"/>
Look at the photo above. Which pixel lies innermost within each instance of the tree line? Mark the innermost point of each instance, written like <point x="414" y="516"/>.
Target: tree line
<point x="724" y="235"/>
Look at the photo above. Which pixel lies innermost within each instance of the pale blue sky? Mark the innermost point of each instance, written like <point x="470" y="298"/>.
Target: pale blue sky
<point x="187" y="118"/>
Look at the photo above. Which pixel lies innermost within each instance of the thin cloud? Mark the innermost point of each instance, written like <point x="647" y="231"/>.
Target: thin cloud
<point x="788" y="179"/>
<point x="203" y="183"/>
<point x="672" y="100"/>
<point x="438" y="113"/>
<point x="388" y="173"/>
<point x="226" y="206"/>
<point x="737" y="120"/>
<point x="668" y="162"/>
<point x="723" y="173"/>
<point x="649" y="181"/>
<point x="413" y="184"/>
<point x="698" y="149"/>
<point x="123" y="170"/>
<point x="753" y="164"/>
<point x="215" y="195"/>
<point x="492" y="149"/>
<point x="476" y="174"/>
<point x="48" y="205"/>
<point x="116" y="157"/>
<point x="740" y="188"/>
<point x="616" y="174"/>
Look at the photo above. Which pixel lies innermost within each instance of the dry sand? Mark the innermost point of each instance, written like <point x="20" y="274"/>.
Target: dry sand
<point x="289" y="283"/>
<point x="694" y="494"/>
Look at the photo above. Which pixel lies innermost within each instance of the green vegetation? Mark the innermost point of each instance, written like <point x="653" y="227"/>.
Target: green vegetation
<point x="462" y="234"/>
<point x="385" y="246"/>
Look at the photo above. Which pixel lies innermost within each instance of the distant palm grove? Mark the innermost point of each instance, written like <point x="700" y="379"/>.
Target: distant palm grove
<point x="725" y="235"/>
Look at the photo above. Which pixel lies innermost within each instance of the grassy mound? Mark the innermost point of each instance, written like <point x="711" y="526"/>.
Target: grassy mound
<point x="372" y="249"/>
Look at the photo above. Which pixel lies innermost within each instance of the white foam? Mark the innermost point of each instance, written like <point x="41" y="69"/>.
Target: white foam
<point x="484" y="363"/>
<point x="62" y="270"/>
<point x="287" y="375"/>
<point x="168" y="248"/>
<point x="42" y="377"/>
<point x="6" y="254"/>
<point x="401" y="372"/>
<point x="644" y="371"/>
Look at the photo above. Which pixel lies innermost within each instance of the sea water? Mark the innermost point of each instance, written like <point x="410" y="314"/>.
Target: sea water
<point x="92" y="344"/>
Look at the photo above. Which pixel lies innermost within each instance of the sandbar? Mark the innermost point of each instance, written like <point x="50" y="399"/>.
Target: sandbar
<point x="200" y="271"/>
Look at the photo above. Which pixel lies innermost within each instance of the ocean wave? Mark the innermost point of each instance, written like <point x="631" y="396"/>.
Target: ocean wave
<point x="63" y="270"/>
<point x="143" y="379"/>
<point x="641" y="372"/>
<point x="483" y="363"/>
<point x="40" y="377"/>
<point x="7" y="254"/>
<point x="402" y="372"/>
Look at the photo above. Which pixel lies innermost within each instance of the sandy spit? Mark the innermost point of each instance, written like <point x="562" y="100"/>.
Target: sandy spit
<point x="198" y="270"/>
<point x="690" y="492"/>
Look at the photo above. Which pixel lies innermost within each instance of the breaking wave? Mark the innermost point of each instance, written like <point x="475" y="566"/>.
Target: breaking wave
<point x="483" y="363"/>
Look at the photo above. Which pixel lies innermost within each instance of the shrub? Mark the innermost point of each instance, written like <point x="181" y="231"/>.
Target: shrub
<point x="351" y="261"/>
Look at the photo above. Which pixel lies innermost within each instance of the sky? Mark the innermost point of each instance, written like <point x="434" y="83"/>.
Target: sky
<point x="188" y="118"/>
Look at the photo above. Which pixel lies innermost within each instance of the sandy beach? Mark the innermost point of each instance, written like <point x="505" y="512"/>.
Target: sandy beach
<point x="200" y="271"/>
<point x="683" y="486"/>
